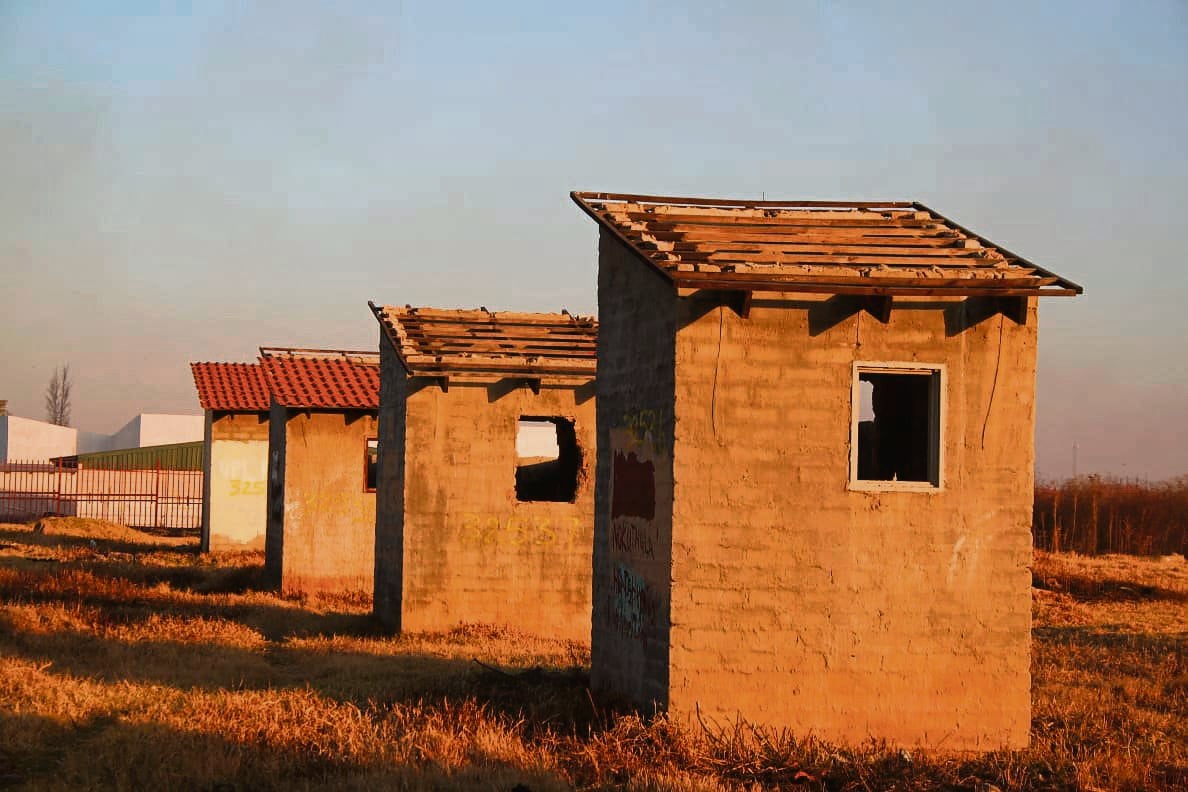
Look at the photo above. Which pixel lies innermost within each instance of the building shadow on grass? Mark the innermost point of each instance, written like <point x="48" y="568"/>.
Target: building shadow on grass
<point x="556" y="697"/>
<point x="100" y="544"/>
<point x="1101" y="590"/>
<point x="200" y="645"/>
<point x="1095" y="637"/>
<point x="132" y="597"/>
<point x="109" y="752"/>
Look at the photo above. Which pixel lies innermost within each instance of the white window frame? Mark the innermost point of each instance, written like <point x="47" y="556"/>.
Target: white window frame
<point x="938" y="412"/>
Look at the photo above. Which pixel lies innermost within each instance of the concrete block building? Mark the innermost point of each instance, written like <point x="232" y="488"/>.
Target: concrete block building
<point x="322" y="450"/>
<point x="815" y="462"/>
<point x="486" y="499"/>
<point x="235" y="399"/>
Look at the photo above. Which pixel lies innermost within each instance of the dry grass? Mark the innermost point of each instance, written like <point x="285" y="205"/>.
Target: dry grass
<point x="135" y="663"/>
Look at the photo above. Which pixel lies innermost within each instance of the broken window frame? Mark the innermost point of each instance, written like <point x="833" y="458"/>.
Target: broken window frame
<point x="367" y="463"/>
<point x="555" y="420"/>
<point x="937" y="412"/>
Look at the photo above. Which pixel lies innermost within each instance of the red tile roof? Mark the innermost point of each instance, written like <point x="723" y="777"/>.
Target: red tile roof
<point x="335" y="382"/>
<point x="230" y="386"/>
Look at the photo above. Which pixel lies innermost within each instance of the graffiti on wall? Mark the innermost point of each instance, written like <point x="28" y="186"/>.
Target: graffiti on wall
<point x="633" y="491"/>
<point x="644" y="429"/>
<point x="640" y="446"/>
<point x="630" y="539"/>
<point x="517" y="531"/>
<point x="634" y="608"/>
<point x="243" y="487"/>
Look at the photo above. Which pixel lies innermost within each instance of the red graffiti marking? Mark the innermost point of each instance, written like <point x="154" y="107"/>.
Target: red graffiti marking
<point x="634" y="487"/>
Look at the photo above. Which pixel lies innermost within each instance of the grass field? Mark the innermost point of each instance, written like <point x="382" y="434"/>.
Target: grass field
<point x="131" y="661"/>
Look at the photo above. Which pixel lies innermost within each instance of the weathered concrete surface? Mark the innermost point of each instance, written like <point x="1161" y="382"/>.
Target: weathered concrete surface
<point x="235" y="502"/>
<point x="453" y="544"/>
<point x="632" y="540"/>
<point x="796" y="601"/>
<point x="321" y="521"/>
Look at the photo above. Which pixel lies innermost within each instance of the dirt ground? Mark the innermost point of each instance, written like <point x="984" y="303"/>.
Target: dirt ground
<point x="131" y="661"/>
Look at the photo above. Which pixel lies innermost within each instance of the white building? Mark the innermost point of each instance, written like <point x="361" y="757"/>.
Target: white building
<point x="149" y="429"/>
<point x="27" y="440"/>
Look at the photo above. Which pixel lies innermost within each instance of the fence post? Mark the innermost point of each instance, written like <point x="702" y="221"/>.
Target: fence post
<point x="58" y="487"/>
<point x="157" y="495"/>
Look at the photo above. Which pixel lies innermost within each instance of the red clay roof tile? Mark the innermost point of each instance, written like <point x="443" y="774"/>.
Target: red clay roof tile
<point x="333" y="382"/>
<point x="235" y="387"/>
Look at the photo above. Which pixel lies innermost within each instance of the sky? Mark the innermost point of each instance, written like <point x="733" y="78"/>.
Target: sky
<point x="187" y="182"/>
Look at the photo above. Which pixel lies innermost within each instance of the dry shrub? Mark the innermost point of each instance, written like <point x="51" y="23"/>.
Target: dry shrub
<point x="1096" y="514"/>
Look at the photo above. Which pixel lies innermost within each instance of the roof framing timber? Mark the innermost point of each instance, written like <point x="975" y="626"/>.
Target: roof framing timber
<point x="481" y="345"/>
<point x="873" y="248"/>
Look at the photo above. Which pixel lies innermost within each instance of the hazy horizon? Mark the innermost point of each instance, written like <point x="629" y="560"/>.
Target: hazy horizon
<point x="191" y="183"/>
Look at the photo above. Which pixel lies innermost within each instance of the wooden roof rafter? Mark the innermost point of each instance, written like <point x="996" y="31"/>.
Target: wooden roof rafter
<point x="478" y="345"/>
<point x="361" y="356"/>
<point x="874" y="248"/>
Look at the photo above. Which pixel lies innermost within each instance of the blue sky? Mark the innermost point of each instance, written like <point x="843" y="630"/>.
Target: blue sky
<point x="188" y="181"/>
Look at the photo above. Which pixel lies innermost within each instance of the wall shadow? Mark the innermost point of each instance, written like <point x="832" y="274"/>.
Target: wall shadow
<point x="98" y="544"/>
<point x="132" y="601"/>
<point x="1094" y="637"/>
<point x="130" y="642"/>
<point x="1089" y="589"/>
<point x="110" y="753"/>
<point x="554" y="697"/>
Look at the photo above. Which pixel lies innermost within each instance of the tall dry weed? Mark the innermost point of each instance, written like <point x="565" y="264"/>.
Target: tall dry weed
<point x="1095" y="514"/>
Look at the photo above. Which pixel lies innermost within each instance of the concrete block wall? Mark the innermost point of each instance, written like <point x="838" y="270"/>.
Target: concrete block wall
<point x="454" y="545"/>
<point x="798" y="602"/>
<point x="633" y="499"/>
<point x="321" y="521"/>
<point x="235" y="503"/>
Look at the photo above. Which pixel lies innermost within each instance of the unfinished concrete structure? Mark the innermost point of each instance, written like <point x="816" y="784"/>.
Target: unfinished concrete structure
<point x="474" y="524"/>
<point x="235" y="463"/>
<point x="814" y="488"/>
<point x="321" y="469"/>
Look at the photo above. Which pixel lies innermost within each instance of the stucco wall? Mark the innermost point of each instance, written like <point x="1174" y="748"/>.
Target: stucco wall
<point x="797" y="602"/>
<point x="633" y="534"/>
<point x="27" y="440"/>
<point x="464" y="548"/>
<point x="321" y="522"/>
<point x="236" y="482"/>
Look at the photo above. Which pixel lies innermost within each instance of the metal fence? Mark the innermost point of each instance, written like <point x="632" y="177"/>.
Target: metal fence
<point x="141" y="497"/>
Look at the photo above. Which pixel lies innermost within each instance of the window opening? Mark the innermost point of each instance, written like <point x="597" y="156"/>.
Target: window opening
<point x="548" y="460"/>
<point x="898" y="426"/>
<point x="370" y="465"/>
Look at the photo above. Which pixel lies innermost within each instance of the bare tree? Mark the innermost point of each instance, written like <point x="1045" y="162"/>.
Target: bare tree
<point x="57" y="397"/>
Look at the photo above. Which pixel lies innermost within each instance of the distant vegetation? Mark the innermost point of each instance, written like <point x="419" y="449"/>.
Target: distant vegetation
<point x="57" y="397"/>
<point x="1094" y="515"/>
